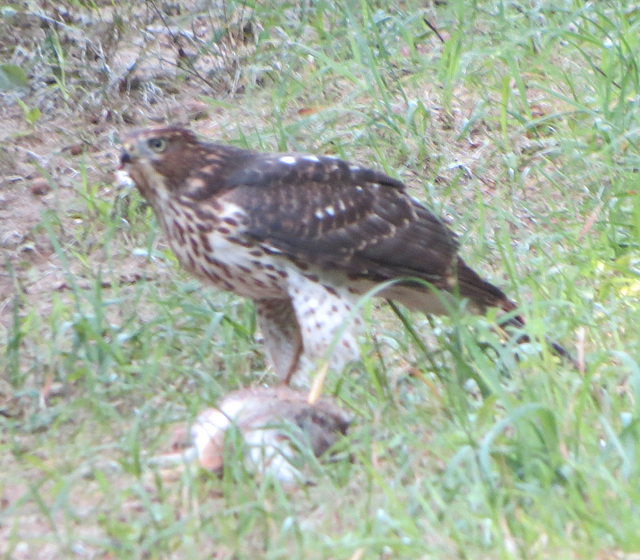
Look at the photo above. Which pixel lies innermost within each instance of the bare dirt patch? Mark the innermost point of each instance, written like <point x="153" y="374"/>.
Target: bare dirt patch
<point x="91" y="74"/>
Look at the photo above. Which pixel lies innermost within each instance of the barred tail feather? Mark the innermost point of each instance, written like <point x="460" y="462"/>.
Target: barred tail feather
<point x="484" y="294"/>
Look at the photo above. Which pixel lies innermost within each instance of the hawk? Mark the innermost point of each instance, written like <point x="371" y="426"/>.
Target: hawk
<point x="303" y="236"/>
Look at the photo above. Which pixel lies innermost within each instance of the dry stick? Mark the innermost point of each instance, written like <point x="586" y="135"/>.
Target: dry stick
<point x="318" y="383"/>
<point x="591" y="219"/>
<point x="174" y="38"/>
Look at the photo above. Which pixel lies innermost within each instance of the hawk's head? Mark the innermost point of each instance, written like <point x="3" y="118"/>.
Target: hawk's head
<point x="156" y="145"/>
<point x="167" y="162"/>
<point x="159" y="159"/>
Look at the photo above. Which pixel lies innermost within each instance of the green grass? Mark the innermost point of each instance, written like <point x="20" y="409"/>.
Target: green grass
<point x="521" y="128"/>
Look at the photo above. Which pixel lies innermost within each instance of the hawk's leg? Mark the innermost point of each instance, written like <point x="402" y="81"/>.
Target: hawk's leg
<point x="282" y="340"/>
<point x="324" y="315"/>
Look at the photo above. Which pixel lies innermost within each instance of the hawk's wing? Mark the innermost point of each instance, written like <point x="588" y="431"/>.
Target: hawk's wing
<point x="323" y="211"/>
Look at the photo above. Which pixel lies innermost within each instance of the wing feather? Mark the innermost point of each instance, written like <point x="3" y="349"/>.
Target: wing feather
<point x="325" y="212"/>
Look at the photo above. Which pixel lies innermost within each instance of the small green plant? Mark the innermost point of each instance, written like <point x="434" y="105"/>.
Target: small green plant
<point x="13" y="77"/>
<point x="31" y="114"/>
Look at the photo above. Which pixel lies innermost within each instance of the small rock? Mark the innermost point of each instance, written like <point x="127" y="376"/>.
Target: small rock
<point x="40" y="186"/>
<point x="198" y="111"/>
<point x="11" y="239"/>
<point x="75" y="149"/>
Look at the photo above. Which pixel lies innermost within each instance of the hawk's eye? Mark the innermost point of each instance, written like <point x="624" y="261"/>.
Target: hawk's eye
<point x="157" y="144"/>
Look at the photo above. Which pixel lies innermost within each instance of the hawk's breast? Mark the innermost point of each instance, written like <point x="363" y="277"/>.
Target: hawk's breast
<point x="213" y="246"/>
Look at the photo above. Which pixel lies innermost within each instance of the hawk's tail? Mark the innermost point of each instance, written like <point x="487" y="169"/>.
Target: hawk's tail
<point x="484" y="294"/>
<point x="518" y="322"/>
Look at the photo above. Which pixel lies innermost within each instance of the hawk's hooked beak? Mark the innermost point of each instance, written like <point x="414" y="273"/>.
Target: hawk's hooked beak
<point x="125" y="158"/>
